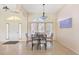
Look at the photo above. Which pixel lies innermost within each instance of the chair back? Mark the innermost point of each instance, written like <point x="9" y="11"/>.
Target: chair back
<point x="26" y="34"/>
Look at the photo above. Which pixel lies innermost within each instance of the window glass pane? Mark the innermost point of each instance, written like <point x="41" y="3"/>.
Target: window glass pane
<point x="7" y="30"/>
<point x="20" y="31"/>
<point x="41" y="27"/>
<point x="38" y="20"/>
<point x="49" y="28"/>
<point x="33" y="27"/>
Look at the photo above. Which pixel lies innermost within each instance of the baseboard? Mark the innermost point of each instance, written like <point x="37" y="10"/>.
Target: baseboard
<point x="66" y="47"/>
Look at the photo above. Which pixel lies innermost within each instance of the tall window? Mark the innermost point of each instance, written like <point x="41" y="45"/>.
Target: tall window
<point x="33" y="27"/>
<point x="39" y="25"/>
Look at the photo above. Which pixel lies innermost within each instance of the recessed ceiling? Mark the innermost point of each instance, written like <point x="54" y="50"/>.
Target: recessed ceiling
<point x="38" y="8"/>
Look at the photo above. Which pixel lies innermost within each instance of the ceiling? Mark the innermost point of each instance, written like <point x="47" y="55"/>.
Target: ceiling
<point x="11" y="6"/>
<point x="38" y="8"/>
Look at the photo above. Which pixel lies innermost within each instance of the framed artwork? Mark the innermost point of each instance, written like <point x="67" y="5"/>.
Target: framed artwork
<point x="66" y="23"/>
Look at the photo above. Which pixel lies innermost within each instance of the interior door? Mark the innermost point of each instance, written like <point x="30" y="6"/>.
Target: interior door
<point x="13" y="32"/>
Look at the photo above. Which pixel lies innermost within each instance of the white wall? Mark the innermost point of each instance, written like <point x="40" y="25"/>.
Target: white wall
<point x="69" y="37"/>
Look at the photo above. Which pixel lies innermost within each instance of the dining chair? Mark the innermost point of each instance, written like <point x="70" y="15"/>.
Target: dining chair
<point x="43" y="41"/>
<point x="50" y="37"/>
<point x="28" y="38"/>
<point x="34" y="40"/>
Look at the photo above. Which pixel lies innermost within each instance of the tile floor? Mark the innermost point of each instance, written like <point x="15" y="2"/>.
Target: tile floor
<point x="22" y="48"/>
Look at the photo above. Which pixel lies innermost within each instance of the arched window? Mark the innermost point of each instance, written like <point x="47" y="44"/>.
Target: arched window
<point x="38" y="20"/>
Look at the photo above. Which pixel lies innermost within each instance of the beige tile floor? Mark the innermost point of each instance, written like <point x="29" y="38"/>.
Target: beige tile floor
<point x="22" y="48"/>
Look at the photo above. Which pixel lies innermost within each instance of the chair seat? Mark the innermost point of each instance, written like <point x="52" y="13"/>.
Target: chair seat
<point x="49" y="40"/>
<point x="34" y="41"/>
<point x="43" y="41"/>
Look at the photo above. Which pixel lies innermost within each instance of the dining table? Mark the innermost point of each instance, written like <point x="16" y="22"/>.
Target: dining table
<point x="40" y="38"/>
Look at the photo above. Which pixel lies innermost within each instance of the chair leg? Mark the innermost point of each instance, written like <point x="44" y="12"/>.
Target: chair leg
<point x="40" y="46"/>
<point x="45" y="46"/>
<point x="27" y="42"/>
<point x="37" y="46"/>
<point x="32" y="46"/>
